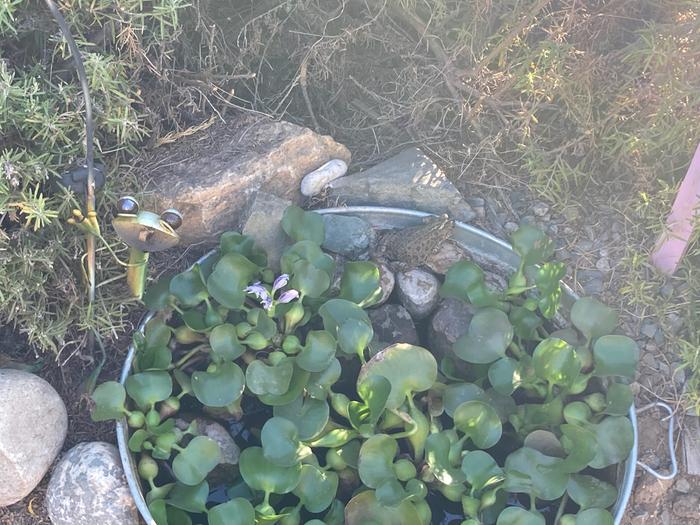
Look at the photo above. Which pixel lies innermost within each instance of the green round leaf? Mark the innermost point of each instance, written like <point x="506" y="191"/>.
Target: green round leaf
<point x="309" y="280"/>
<point x="354" y="336"/>
<point x="157" y="295"/>
<point x="237" y="511"/>
<point x="109" y="399"/>
<point x="408" y="368"/>
<point x="615" y="437"/>
<point x="269" y="379"/>
<point x="590" y="492"/>
<point x="360" y="283"/>
<point x="376" y="461"/>
<point x="199" y="458"/>
<point x="167" y="514"/>
<point x="309" y="415"/>
<point x="230" y="277"/>
<point x="580" y="444"/>
<point x="157" y="333"/>
<point x="234" y="242"/>
<point x="307" y="251"/>
<point x="594" y="517"/>
<point x="593" y="318"/>
<point x="261" y="474"/>
<point x="504" y="375"/>
<point x="317" y="488"/>
<point x="457" y="393"/>
<point x="335" y="312"/>
<point x="619" y="398"/>
<point x="189" y="498"/>
<point x="375" y="391"/>
<point x="147" y="388"/>
<point x="481" y="470"/>
<point x="519" y="516"/>
<point x="364" y="509"/>
<point x="531" y="472"/>
<point x="220" y="387"/>
<point x="303" y="225"/>
<point x="297" y="384"/>
<point x="533" y="246"/>
<point x="615" y="355"/>
<point x="480" y="422"/>
<point x="281" y="444"/>
<point x="390" y="493"/>
<point x="555" y="361"/>
<point x="460" y="279"/>
<point x="318" y="352"/>
<point x="487" y="338"/>
<point x="188" y="288"/>
<point x="437" y="456"/>
<point x="546" y="442"/>
<point x="224" y="342"/>
<point x="320" y="383"/>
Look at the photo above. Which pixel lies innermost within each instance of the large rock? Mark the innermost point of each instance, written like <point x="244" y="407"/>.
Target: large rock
<point x="263" y="223"/>
<point x="33" y="425"/>
<point x="393" y="324"/>
<point x="212" y="176"/>
<point x="408" y="180"/>
<point x="347" y="235"/>
<point x="418" y="292"/>
<point x="449" y="323"/>
<point x="88" y="487"/>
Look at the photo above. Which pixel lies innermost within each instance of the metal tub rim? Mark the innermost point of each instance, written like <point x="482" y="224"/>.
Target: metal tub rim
<point x="479" y="243"/>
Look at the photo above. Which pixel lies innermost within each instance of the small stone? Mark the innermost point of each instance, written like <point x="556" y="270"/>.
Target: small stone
<point x="346" y="235"/>
<point x="387" y="281"/>
<point x="603" y="264"/>
<point x="540" y="209"/>
<point x="418" y="292"/>
<point x="687" y="506"/>
<point x="649" y="330"/>
<point x="227" y="469"/>
<point x="33" y="426"/>
<point x="393" y="324"/>
<point x="649" y="360"/>
<point x="591" y="280"/>
<point x="263" y="224"/>
<point x="314" y="182"/>
<point x="510" y="227"/>
<point x="478" y="205"/>
<point x="449" y="323"/>
<point x="88" y="487"/>
<point x="682" y="486"/>
<point x="447" y="254"/>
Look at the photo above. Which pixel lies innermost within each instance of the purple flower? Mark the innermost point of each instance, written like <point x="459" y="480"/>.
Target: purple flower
<point x="288" y="296"/>
<point x="267" y="298"/>
<point x="280" y="283"/>
<point x="261" y="293"/>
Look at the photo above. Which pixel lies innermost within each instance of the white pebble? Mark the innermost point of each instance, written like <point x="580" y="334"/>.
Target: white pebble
<point x="314" y="182"/>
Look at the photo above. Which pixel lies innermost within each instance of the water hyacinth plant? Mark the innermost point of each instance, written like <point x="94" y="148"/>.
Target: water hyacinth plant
<point x="520" y="424"/>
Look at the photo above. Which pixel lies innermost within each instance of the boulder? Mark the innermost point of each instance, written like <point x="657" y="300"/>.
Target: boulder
<point x="88" y="487"/>
<point x="263" y="224"/>
<point x="212" y="176"/>
<point x="449" y="323"/>
<point x="418" y="292"/>
<point x="393" y="324"/>
<point x="408" y="180"/>
<point x="33" y="426"/>
<point x="347" y="235"/>
<point x="387" y="281"/>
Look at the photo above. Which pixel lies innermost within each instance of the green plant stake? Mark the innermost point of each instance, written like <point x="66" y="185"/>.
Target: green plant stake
<point x="144" y="232"/>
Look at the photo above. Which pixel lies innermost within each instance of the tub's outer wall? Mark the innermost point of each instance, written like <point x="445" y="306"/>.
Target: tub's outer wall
<point x="483" y="246"/>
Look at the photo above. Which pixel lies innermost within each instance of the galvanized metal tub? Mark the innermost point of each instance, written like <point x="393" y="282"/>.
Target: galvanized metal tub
<point x="484" y="248"/>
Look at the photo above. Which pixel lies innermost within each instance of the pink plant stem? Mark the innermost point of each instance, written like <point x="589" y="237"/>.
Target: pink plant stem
<point x="673" y="243"/>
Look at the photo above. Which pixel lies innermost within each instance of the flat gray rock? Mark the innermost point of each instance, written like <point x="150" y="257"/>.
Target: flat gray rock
<point x="346" y="235"/>
<point x="263" y="225"/>
<point x="449" y="323"/>
<point x="88" y="487"/>
<point x="393" y="324"/>
<point x="408" y="180"/>
<point x="33" y="426"/>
